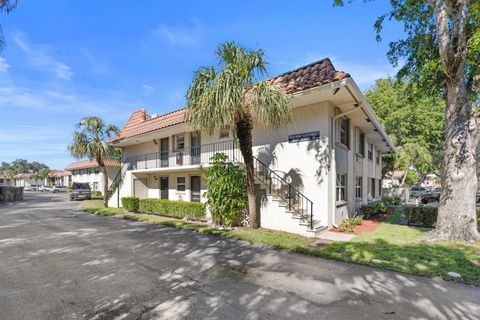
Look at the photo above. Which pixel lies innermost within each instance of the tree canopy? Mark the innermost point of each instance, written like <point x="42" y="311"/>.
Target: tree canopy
<point x="21" y="166"/>
<point x="5" y="6"/>
<point x="414" y="122"/>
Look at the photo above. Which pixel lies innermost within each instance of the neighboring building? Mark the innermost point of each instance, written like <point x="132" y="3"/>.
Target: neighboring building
<point x="59" y="178"/>
<point x="431" y="181"/>
<point x="6" y="181"/>
<point x="25" y="180"/>
<point x="88" y="171"/>
<point x="393" y="179"/>
<point x="323" y="165"/>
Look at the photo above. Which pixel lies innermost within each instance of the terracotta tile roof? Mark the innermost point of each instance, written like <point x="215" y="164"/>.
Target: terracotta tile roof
<point x="22" y="175"/>
<point x="309" y="76"/>
<point x="306" y="77"/>
<point x="140" y="123"/>
<point x="91" y="164"/>
<point x="59" y="173"/>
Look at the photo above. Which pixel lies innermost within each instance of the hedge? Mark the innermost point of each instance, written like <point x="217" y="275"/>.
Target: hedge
<point x="130" y="203"/>
<point x="373" y="209"/>
<point x="174" y="209"/>
<point x="425" y="216"/>
<point x="96" y="193"/>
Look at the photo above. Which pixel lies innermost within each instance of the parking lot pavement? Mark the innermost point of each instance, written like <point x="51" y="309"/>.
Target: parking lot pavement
<point x="59" y="263"/>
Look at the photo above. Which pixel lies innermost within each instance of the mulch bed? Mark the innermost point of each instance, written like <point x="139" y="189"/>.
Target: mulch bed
<point x="369" y="225"/>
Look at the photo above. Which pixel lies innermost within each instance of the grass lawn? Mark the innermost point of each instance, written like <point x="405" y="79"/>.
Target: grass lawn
<point x="399" y="248"/>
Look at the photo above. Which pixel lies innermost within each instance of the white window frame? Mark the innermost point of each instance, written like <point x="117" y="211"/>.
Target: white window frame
<point x="373" y="188"/>
<point x="341" y="189"/>
<point x="370" y="151"/>
<point x="224" y="132"/>
<point x="361" y="143"/>
<point x="359" y="187"/>
<point x="343" y="131"/>
<point x="179" y="184"/>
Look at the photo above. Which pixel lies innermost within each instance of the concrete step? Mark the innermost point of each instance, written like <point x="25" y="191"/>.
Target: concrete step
<point x="317" y="230"/>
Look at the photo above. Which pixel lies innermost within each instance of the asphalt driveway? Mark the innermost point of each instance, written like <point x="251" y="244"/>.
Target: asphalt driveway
<point x="59" y="263"/>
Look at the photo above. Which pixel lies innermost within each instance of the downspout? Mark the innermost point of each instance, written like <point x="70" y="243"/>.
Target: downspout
<point x="334" y="141"/>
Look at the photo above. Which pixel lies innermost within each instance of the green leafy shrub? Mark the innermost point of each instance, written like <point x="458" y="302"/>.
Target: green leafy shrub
<point x="130" y="203"/>
<point x="392" y="201"/>
<point x="174" y="209"/>
<point x="349" y="224"/>
<point x="226" y="195"/>
<point x="422" y="215"/>
<point x="373" y="209"/>
<point x="96" y="193"/>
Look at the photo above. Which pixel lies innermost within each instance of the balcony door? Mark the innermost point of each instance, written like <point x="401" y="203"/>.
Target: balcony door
<point x="164" y="152"/>
<point x="195" y="188"/>
<point x="140" y="189"/>
<point x="179" y="148"/>
<point x="163" y="187"/>
<point x="195" y="138"/>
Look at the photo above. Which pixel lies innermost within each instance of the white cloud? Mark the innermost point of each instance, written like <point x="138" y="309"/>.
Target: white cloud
<point x="40" y="56"/>
<point x="3" y="65"/>
<point x="148" y="88"/>
<point x="94" y="64"/>
<point x="180" y="35"/>
<point x="59" y="102"/>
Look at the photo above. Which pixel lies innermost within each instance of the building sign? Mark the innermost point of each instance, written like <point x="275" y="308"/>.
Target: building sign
<point x="307" y="136"/>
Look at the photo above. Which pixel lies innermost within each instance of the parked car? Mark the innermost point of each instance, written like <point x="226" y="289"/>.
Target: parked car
<point x="434" y="196"/>
<point x="80" y="191"/>
<point x="27" y="188"/>
<point x="56" y="189"/>
<point x="430" y="197"/>
<point x="45" y="188"/>
<point x="417" y="192"/>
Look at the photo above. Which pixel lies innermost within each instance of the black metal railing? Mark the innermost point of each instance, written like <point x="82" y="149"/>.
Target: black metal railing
<point x="195" y="155"/>
<point x="117" y="182"/>
<point x="295" y="201"/>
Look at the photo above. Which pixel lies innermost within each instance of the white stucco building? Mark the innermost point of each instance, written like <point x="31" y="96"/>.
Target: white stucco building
<point x="88" y="171"/>
<point x="59" y="178"/>
<point x="311" y="174"/>
<point x="6" y="181"/>
<point x="26" y="180"/>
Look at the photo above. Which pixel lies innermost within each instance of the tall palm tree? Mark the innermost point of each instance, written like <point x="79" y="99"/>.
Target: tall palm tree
<point x="5" y="6"/>
<point x="233" y="94"/>
<point x="90" y="141"/>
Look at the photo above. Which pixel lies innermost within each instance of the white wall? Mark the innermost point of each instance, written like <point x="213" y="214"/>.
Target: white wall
<point x="95" y="179"/>
<point x="310" y="163"/>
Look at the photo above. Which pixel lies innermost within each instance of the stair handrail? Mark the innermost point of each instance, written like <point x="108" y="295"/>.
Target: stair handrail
<point x="115" y="185"/>
<point x="270" y="172"/>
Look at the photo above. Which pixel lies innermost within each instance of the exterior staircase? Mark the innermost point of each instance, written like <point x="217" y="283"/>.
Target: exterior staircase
<point x="117" y="183"/>
<point x="288" y="198"/>
<point x="288" y="207"/>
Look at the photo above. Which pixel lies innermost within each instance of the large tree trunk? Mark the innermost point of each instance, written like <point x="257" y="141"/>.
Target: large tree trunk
<point x="457" y="211"/>
<point x="105" y="183"/>
<point x="457" y="220"/>
<point x="244" y="128"/>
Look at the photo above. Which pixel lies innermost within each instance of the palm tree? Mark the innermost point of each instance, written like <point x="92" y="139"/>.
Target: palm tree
<point x="5" y="6"/>
<point x="233" y="95"/>
<point x="90" y="141"/>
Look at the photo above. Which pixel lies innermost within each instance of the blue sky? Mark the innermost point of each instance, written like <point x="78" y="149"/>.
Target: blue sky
<point x="69" y="59"/>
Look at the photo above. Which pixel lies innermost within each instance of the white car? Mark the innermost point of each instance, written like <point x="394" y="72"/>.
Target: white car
<point x="45" y="188"/>
<point x="56" y="189"/>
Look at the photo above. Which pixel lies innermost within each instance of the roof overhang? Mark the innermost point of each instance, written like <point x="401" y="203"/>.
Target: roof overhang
<point x="346" y="95"/>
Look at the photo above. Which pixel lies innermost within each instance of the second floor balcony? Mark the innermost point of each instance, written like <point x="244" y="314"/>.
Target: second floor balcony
<point x="192" y="156"/>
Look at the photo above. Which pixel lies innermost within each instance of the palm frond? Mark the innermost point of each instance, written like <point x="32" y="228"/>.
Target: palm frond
<point x="218" y="98"/>
<point x="269" y="106"/>
<point x="90" y="140"/>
